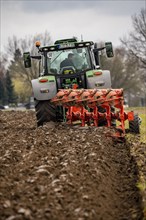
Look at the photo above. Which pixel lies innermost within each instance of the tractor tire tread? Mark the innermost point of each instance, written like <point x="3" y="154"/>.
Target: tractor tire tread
<point x="134" y="125"/>
<point x="45" y="112"/>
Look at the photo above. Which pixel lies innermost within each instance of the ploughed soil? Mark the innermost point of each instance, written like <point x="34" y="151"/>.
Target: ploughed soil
<point x="59" y="172"/>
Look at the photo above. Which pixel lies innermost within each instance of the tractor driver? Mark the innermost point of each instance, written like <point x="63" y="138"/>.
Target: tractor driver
<point x="68" y="61"/>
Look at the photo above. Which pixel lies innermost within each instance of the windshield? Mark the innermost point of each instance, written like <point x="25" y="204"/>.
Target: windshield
<point x="78" y="58"/>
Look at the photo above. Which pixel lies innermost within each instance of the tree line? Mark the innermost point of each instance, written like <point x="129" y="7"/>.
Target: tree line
<point x="15" y="79"/>
<point x="127" y="66"/>
<point x="7" y="93"/>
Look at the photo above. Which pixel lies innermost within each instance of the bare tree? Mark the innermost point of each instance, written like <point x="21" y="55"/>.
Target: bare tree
<point x="124" y="70"/>
<point x="125" y="74"/>
<point x="27" y="43"/>
<point x="135" y="43"/>
<point x="15" y="49"/>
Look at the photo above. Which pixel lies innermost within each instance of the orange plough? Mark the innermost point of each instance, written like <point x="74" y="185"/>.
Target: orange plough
<point x="93" y="106"/>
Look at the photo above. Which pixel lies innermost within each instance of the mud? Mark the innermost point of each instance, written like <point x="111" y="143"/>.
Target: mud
<point x="57" y="172"/>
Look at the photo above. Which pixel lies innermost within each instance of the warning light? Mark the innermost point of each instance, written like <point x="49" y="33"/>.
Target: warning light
<point x="37" y="44"/>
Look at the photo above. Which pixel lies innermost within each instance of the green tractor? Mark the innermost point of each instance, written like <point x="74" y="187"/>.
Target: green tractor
<point x="73" y="87"/>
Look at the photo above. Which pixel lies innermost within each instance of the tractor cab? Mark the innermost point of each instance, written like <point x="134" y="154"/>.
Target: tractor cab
<point x="85" y="56"/>
<point x="80" y="60"/>
<point x="69" y="64"/>
<point x="67" y="57"/>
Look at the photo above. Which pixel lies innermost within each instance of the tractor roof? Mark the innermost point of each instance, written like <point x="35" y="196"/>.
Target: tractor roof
<point x="62" y="41"/>
<point x="65" y="44"/>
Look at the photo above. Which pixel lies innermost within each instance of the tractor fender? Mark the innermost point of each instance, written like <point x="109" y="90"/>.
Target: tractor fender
<point x="44" y="88"/>
<point x="100" y="79"/>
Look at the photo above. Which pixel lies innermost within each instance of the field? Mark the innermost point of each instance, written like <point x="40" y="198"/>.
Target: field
<point x="140" y="153"/>
<point x="58" y="172"/>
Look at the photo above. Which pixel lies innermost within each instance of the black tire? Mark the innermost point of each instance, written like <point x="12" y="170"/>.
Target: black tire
<point x="45" y="112"/>
<point x="134" y="125"/>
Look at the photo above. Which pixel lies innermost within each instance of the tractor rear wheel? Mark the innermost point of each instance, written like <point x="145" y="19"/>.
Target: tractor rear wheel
<point x="134" y="125"/>
<point x="45" y="112"/>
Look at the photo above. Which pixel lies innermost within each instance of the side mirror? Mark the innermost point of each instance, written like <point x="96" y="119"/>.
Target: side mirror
<point x="27" y="59"/>
<point x="109" y="49"/>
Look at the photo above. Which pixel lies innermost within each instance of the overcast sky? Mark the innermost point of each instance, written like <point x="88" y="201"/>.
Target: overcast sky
<point x="95" y="20"/>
